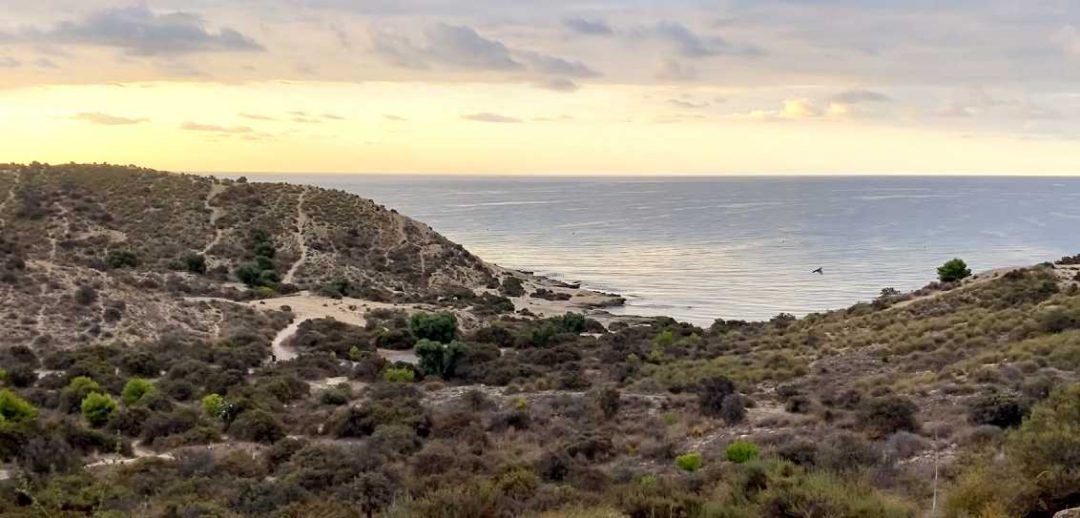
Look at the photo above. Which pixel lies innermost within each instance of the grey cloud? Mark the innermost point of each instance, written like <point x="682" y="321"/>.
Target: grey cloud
<point x="674" y="70"/>
<point x="691" y="45"/>
<point x="557" y="66"/>
<point x="587" y="26"/>
<point x="861" y="96"/>
<point x="491" y="117"/>
<point x="9" y="62"/>
<point x="45" y="63"/>
<point x="106" y="119"/>
<point x="332" y="117"/>
<point x="140" y="31"/>
<point x="462" y="47"/>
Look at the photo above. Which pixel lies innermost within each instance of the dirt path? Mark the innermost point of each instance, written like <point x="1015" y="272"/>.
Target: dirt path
<point x="974" y="280"/>
<point x="10" y="196"/>
<point x="215" y="214"/>
<point x="301" y="222"/>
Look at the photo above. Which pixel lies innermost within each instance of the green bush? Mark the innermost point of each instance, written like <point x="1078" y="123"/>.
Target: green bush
<point x="953" y="270"/>
<point x="136" y="389"/>
<point x="97" y="408"/>
<point x="215" y="406"/>
<point x="399" y="374"/>
<point x="121" y="259"/>
<point x="741" y="451"/>
<point x="14" y="409"/>
<point x="689" y="462"/>
<point x="78" y="388"/>
<point x="195" y="263"/>
<point x="437" y="327"/>
<point x="885" y="415"/>
<point x="997" y="408"/>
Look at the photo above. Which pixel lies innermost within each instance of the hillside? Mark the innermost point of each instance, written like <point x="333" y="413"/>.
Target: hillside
<point x="381" y="370"/>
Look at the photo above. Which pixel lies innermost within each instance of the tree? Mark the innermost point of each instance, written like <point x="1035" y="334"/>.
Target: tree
<point x="733" y="409"/>
<point x="438" y="359"/>
<point x="438" y="327"/>
<point x="608" y="400"/>
<point x="121" y="259"/>
<point x="78" y="388"/>
<point x="97" y="408"/>
<point x="886" y="415"/>
<point x="257" y="425"/>
<point x="14" y="409"/>
<point x="136" y="389"/>
<point x="953" y="270"/>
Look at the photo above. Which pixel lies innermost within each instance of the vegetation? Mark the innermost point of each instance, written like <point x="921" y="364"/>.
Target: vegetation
<point x="841" y="413"/>
<point x="953" y="270"/>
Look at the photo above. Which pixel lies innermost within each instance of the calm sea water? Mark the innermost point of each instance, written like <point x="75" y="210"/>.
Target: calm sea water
<point x="737" y="248"/>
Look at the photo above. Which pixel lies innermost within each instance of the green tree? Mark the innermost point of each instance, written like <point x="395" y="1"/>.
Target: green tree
<point x="121" y="259"/>
<point x="78" y="388"/>
<point x="14" y="409"/>
<point x="136" y="389"/>
<point x="438" y="359"/>
<point x="195" y="263"/>
<point x="97" y="408"/>
<point x="953" y="270"/>
<point x="438" y="327"/>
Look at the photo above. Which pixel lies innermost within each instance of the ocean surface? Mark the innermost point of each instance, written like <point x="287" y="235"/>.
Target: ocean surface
<point x="737" y="247"/>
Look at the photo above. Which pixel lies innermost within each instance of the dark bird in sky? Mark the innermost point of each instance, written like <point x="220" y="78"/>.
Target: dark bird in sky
<point x="819" y="271"/>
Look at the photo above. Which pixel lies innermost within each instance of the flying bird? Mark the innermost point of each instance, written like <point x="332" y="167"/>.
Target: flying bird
<point x="819" y="271"/>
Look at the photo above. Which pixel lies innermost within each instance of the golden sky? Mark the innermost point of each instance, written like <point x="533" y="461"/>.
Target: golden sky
<point x="611" y="87"/>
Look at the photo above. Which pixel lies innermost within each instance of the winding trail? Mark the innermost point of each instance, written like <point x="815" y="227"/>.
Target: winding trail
<point x="301" y="222"/>
<point x="10" y="195"/>
<point x="215" y="214"/>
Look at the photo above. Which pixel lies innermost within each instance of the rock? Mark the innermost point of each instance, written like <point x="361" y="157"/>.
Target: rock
<point x="1068" y="513"/>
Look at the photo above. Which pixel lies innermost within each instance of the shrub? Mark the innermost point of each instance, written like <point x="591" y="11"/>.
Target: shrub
<point x="97" y="408"/>
<point x="741" y="451"/>
<point x="953" y="270"/>
<point x="1047" y="447"/>
<point x="399" y="374"/>
<point x="121" y="259"/>
<point x="711" y="394"/>
<point x="608" y="401"/>
<point x="215" y="406"/>
<point x="997" y="408"/>
<point x="85" y="295"/>
<point x="437" y="327"/>
<point x="257" y="425"/>
<point x="195" y="263"/>
<point x="14" y="409"/>
<point x="689" y="462"/>
<point x="78" y="388"/>
<point x="886" y="415"/>
<point x="136" y="389"/>
<point x="733" y="409"/>
<point x="511" y="287"/>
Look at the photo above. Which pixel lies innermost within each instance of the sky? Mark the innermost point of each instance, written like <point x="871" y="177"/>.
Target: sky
<point x="545" y="87"/>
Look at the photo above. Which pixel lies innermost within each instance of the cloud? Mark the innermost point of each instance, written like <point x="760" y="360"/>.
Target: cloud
<point x="1069" y="40"/>
<point x="799" y="109"/>
<point x="689" y="103"/>
<point x="140" y="31"/>
<point x="332" y="117"/>
<point x="257" y="117"/>
<point x="45" y="63"/>
<point x="214" y="128"/>
<point x="461" y="47"/>
<point x="689" y="44"/>
<point x="557" y="66"/>
<point x="861" y="96"/>
<point x="674" y="70"/>
<point x="558" y="84"/>
<point x="106" y="119"/>
<point x="9" y="62"/>
<point x="491" y="117"/>
<point x="395" y="118"/>
<point x="454" y="45"/>
<point x="587" y="26"/>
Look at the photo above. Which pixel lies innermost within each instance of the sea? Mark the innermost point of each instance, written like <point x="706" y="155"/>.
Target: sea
<point x="739" y="247"/>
